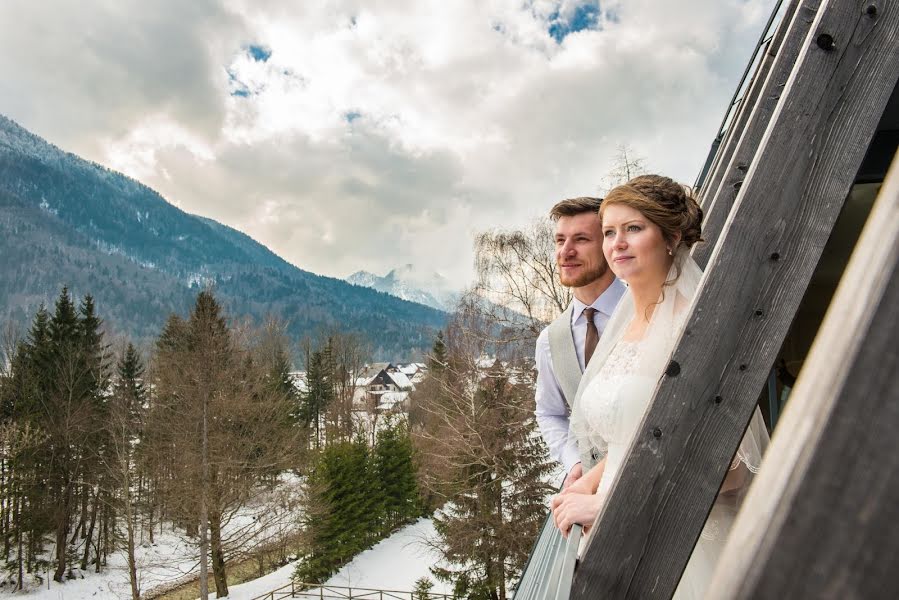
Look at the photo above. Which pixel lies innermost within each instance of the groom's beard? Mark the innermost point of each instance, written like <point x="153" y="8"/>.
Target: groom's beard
<point x="586" y="277"/>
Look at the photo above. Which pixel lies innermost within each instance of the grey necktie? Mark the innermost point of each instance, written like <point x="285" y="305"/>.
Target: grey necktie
<point x="592" y="335"/>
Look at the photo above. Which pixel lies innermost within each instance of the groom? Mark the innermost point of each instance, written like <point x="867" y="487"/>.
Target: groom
<point x="564" y="347"/>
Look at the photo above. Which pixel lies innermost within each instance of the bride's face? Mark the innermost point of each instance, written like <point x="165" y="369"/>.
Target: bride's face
<point x="634" y="246"/>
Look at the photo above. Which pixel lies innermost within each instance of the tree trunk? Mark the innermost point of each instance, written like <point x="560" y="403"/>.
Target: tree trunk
<point x="6" y="507"/>
<point x="90" y="532"/>
<point x="204" y="518"/>
<point x="129" y="526"/>
<point x="62" y="530"/>
<point x="151" y="507"/>
<point x="140" y="496"/>
<point x="82" y="521"/>
<point x="98" y="549"/>
<point x="30" y="551"/>
<point x="218" y="555"/>
<point x="108" y="535"/>
<point x="19" y="539"/>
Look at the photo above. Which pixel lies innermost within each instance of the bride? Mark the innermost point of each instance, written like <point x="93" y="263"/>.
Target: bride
<point x="649" y="225"/>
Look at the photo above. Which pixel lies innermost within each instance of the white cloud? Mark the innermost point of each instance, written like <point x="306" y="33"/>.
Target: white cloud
<point x="375" y="133"/>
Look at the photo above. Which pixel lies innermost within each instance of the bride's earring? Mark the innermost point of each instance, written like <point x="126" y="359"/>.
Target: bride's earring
<point x="670" y="253"/>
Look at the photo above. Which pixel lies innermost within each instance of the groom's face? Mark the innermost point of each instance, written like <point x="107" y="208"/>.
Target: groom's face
<point x="579" y="249"/>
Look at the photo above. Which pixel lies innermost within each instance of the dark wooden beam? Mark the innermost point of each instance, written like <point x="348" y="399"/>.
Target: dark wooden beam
<point x="732" y="172"/>
<point x="770" y="246"/>
<point x="820" y="519"/>
<point x="746" y="108"/>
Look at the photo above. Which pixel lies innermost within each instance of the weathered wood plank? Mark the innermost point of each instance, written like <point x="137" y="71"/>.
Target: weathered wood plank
<point x="770" y="246"/>
<point x="747" y="107"/>
<point x="820" y="519"/>
<point x="718" y="206"/>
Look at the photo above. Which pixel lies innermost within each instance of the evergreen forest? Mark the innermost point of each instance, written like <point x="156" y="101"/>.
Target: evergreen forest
<point x="105" y="445"/>
<point x="101" y="446"/>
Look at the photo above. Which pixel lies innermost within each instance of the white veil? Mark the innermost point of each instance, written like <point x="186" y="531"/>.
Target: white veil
<point x="653" y="354"/>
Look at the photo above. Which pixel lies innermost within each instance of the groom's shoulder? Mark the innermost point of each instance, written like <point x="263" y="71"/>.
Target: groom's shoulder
<point x="543" y="337"/>
<point x="543" y="344"/>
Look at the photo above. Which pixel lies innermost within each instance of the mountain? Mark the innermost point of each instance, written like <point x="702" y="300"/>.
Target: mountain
<point x="68" y="221"/>
<point x="409" y="283"/>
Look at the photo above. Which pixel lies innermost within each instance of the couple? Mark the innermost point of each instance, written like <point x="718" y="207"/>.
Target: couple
<point x="598" y="363"/>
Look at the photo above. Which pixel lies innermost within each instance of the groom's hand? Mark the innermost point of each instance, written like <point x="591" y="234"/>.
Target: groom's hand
<point x="573" y="475"/>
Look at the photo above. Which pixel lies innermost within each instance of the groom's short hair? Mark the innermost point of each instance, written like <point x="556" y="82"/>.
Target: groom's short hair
<point x="575" y="206"/>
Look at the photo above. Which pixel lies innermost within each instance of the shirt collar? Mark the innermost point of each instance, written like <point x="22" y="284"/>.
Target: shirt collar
<point x="606" y="302"/>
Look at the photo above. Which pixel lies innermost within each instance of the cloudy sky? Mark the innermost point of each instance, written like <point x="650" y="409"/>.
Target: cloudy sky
<point x="365" y="134"/>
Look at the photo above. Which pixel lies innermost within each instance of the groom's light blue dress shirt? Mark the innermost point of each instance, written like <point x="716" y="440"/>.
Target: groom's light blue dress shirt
<point x="552" y="411"/>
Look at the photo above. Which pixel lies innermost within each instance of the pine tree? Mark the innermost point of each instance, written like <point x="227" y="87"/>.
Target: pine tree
<point x="495" y="473"/>
<point x="34" y="506"/>
<point x="95" y="488"/>
<point x="321" y="518"/>
<point x="123" y="431"/>
<point x="76" y="375"/>
<point x="319" y="393"/>
<point x="130" y="386"/>
<point x="28" y="514"/>
<point x="275" y="361"/>
<point x="423" y="587"/>
<point x="396" y="474"/>
<point x="96" y="352"/>
<point x="437" y="359"/>
<point x="174" y="334"/>
<point x="359" y="501"/>
<point x="344" y="508"/>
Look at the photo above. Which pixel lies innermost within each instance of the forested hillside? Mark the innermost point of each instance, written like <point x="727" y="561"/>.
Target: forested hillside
<point x="67" y="221"/>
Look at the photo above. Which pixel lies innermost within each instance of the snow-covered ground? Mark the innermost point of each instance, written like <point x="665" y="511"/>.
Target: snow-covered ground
<point x="167" y="560"/>
<point x="392" y="564"/>
<point x="173" y="558"/>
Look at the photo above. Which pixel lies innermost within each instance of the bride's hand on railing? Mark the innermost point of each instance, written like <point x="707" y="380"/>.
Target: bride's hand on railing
<point x="572" y="507"/>
<point x="589" y="482"/>
<point x="584" y="485"/>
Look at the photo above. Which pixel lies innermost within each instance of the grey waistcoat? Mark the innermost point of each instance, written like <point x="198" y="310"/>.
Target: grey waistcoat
<point x="566" y="368"/>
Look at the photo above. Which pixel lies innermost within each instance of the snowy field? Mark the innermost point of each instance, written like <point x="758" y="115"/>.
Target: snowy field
<point x="392" y="564"/>
<point x="173" y="558"/>
<point x="169" y="559"/>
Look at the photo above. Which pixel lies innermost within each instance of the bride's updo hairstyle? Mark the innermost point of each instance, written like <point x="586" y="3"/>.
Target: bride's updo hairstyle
<point x="665" y="202"/>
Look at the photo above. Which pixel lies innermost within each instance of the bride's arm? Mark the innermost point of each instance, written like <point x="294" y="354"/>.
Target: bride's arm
<point x="588" y="483"/>
<point x="579" y="503"/>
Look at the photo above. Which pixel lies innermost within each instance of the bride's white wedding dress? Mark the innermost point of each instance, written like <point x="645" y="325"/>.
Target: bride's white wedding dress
<point x="614" y="404"/>
<point x="617" y="390"/>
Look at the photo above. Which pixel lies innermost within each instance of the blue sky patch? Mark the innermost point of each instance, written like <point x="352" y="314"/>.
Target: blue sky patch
<point x="259" y="53"/>
<point x="585" y="16"/>
<point x="238" y="88"/>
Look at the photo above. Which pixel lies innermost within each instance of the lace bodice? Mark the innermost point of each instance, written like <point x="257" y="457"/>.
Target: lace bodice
<point x="614" y="404"/>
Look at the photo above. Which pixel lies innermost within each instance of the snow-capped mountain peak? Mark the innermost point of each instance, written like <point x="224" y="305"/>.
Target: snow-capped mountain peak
<point x="410" y="283"/>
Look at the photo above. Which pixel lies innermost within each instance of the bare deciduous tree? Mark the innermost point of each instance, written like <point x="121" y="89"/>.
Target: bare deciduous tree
<point x="223" y="424"/>
<point x="518" y="279"/>
<point x="627" y="164"/>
